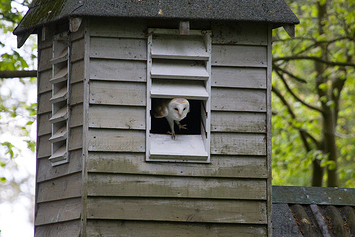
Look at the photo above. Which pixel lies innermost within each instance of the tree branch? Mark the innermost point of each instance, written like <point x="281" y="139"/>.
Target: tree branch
<point x="14" y="74"/>
<point x="276" y="67"/>
<point x="317" y="59"/>
<point x="303" y="133"/>
<point x="295" y="96"/>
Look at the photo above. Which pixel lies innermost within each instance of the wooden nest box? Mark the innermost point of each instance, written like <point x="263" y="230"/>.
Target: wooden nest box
<point x="105" y="165"/>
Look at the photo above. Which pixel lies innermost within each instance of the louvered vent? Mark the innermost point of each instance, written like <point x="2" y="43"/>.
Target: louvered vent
<point x="180" y="66"/>
<point x="59" y="99"/>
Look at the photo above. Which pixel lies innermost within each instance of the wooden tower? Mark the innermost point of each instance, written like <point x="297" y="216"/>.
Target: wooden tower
<point x="105" y="165"/>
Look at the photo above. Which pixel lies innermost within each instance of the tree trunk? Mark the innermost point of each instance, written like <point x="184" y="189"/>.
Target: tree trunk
<point x="329" y="146"/>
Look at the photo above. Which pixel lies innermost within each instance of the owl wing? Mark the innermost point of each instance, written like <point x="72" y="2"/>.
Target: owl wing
<point x="160" y="108"/>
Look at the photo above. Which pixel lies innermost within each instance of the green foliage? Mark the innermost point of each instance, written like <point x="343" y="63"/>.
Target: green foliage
<point x="17" y="114"/>
<point x="302" y="95"/>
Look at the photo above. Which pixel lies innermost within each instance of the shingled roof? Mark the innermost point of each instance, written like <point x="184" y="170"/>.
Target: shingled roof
<point x="42" y="12"/>
<point x="313" y="211"/>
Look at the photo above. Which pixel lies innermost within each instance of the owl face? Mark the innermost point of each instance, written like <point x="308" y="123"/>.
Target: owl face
<point x="178" y="108"/>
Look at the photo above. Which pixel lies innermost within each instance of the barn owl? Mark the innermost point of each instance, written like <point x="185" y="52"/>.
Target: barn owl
<point x="173" y="110"/>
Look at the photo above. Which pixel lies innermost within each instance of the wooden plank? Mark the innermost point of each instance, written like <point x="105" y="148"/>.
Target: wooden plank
<point x="98" y="228"/>
<point x="77" y="71"/>
<point x="238" y="122"/>
<point x="58" y="211"/>
<point x="313" y="195"/>
<point x="80" y="33"/>
<point x="238" y="144"/>
<point x="118" y="93"/>
<point x="122" y="28"/>
<point x="241" y="33"/>
<point x="236" y="77"/>
<point x="220" y="166"/>
<point x="76" y="138"/>
<point x="77" y="50"/>
<point x="44" y="146"/>
<point x="44" y="105"/>
<point x="247" y="100"/>
<point x="44" y="57"/>
<point x="43" y="81"/>
<point x="179" y="69"/>
<point x="179" y="47"/>
<point x="76" y="93"/>
<point x="178" y="88"/>
<point x="63" y="229"/>
<point x="116" y="140"/>
<point x="76" y="116"/>
<point x="118" y="70"/>
<point x="45" y="170"/>
<point x="178" y="210"/>
<point x="60" y="188"/>
<point x="44" y="126"/>
<point x="236" y="55"/>
<point x="118" y="117"/>
<point x="175" y="187"/>
<point x="117" y="48"/>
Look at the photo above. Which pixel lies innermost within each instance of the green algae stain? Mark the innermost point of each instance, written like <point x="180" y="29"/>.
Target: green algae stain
<point x="42" y="12"/>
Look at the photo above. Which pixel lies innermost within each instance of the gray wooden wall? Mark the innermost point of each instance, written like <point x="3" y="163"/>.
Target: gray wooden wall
<point x="58" y="189"/>
<point x="108" y="188"/>
<point x="126" y="195"/>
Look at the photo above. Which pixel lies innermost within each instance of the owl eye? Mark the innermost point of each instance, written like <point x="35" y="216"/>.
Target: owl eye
<point x="184" y="109"/>
<point x="176" y="109"/>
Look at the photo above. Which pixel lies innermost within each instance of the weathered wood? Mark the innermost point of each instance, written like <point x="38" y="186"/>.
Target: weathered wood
<point x="235" y="55"/>
<point x="98" y="228"/>
<point x="313" y="195"/>
<point x="119" y="28"/>
<point x="75" y="138"/>
<point x="44" y="57"/>
<point x="77" y="50"/>
<point x="80" y="33"/>
<point x="117" y="93"/>
<point x="45" y="171"/>
<point x="176" y="47"/>
<point x="238" y="122"/>
<point x="117" y="117"/>
<point x="242" y="33"/>
<point x="60" y="188"/>
<point x="178" y="210"/>
<point x="44" y="105"/>
<point x="238" y="144"/>
<point x="175" y="187"/>
<point x="116" y="48"/>
<point x="44" y="146"/>
<point x="247" y="100"/>
<point x="118" y="70"/>
<point x="44" y="126"/>
<point x="58" y="211"/>
<point x="116" y="140"/>
<point x="43" y="81"/>
<point x="220" y="166"/>
<point x="76" y="116"/>
<point x="63" y="229"/>
<point x="236" y="77"/>
<point x="77" y="71"/>
<point x="179" y="69"/>
<point x="76" y="93"/>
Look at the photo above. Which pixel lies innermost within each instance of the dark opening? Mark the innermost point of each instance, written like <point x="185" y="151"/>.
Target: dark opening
<point x="192" y="120"/>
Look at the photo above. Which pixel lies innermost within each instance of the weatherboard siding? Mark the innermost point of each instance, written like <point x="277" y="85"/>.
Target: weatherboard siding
<point x="229" y="195"/>
<point x="58" y="188"/>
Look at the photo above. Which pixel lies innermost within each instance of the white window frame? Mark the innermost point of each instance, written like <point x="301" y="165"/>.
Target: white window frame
<point x="162" y="45"/>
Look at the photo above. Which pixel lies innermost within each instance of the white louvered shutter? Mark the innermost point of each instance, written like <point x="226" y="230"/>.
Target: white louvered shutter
<point x="179" y="66"/>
